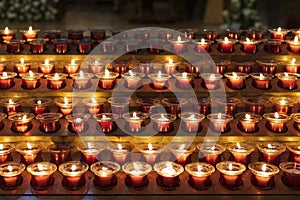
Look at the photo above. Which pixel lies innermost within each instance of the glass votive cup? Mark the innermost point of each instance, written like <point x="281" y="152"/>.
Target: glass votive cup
<point x="46" y="67"/>
<point x="75" y="34"/>
<point x="56" y="81"/>
<point x="31" y="80"/>
<point x="78" y="122"/>
<point x="163" y="122"/>
<point x="226" y="45"/>
<point x="241" y="152"/>
<point x="283" y="105"/>
<point x="49" y="122"/>
<point x="210" y="153"/>
<point x="120" y="67"/>
<point x="234" y="34"/>
<point x="278" y="33"/>
<point x="272" y="46"/>
<point x="221" y="66"/>
<point x="156" y="46"/>
<point x="39" y="105"/>
<point x="184" y="80"/>
<point x="202" y="45"/>
<point x="293" y="45"/>
<point x="248" y="122"/>
<point x="7" y="80"/>
<point x="159" y="81"/>
<point x="14" y="46"/>
<point x="271" y="152"/>
<point x="12" y="106"/>
<point x="136" y="174"/>
<point x="11" y="175"/>
<point x="244" y="67"/>
<point x="105" y="174"/>
<point x="133" y="80"/>
<point x="287" y="81"/>
<point x="71" y="67"/>
<point x="106" y="121"/>
<point x="7" y="35"/>
<point x="210" y="34"/>
<point x="65" y="105"/>
<point x="61" y="46"/>
<point x="174" y="105"/>
<point x="94" y="105"/>
<point x="296" y="120"/>
<point x="210" y="81"/>
<point x="293" y="66"/>
<point x="90" y="151"/>
<point x="191" y="121"/>
<point x="194" y="70"/>
<point x="166" y="35"/>
<point x="255" y="105"/>
<point x="276" y="122"/>
<point x="145" y="67"/>
<point x="170" y="67"/>
<point x="228" y="105"/>
<point x="168" y="174"/>
<point x="21" y="122"/>
<point x="254" y="34"/>
<point x="132" y="45"/>
<point x="37" y="45"/>
<point x="268" y="66"/>
<point x="52" y="34"/>
<point x="150" y="152"/>
<point x="96" y="66"/>
<point x="220" y="122"/>
<point x="134" y="121"/>
<point x="189" y="33"/>
<point x="231" y="174"/>
<point x="120" y="151"/>
<point x="29" y="34"/>
<point x="178" y="45"/>
<point x="147" y="105"/>
<point x="2" y="117"/>
<point x="199" y="175"/>
<point x="294" y="152"/>
<point x="5" y="152"/>
<point x="291" y="174"/>
<point x="141" y="34"/>
<point x="108" y="46"/>
<point x="182" y="152"/>
<point x="85" y="46"/>
<point x="249" y="46"/>
<point x="30" y="152"/>
<point x="204" y="105"/>
<point x="82" y="80"/>
<point x="119" y="34"/>
<point x="98" y="33"/>
<point x="73" y="174"/>
<point x="107" y="80"/>
<point x="236" y="80"/>
<point x="119" y="105"/>
<point x="41" y="175"/>
<point x="261" y="81"/>
<point x="22" y="67"/>
<point x="263" y="175"/>
<point x="60" y="153"/>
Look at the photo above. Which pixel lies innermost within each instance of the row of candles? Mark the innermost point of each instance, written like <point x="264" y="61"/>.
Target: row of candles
<point x="263" y="172"/>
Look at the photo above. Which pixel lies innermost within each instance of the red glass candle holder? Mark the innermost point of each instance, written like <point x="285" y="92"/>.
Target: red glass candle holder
<point x="11" y="175"/>
<point x="236" y="80"/>
<point x="253" y="34"/>
<point x="261" y="81"/>
<point x="189" y="33"/>
<point x="85" y="46"/>
<point x="248" y="122"/>
<point x="220" y="66"/>
<point x="194" y="70"/>
<point x="49" y="122"/>
<point x="29" y="34"/>
<point x="199" y="175"/>
<point x="145" y="67"/>
<point x="291" y="174"/>
<point x="37" y="45"/>
<point x="147" y="105"/>
<point x="278" y="33"/>
<point x="65" y="105"/>
<point x="39" y="105"/>
<point x="73" y="174"/>
<point x="108" y="46"/>
<point x="283" y="105"/>
<point x="233" y="34"/>
<point x="293" y="66"/>
<point x="220" y="122"/>
<point x="191" y="121"/>
<point x="159" y="80"/>
<point x="52" y="34"/>
<point x="7" y="80"/>
<point x="5" y="152"/>
<point x="31" y="80"/>
<point x="132" y="45"/>
<point x="94" y="105"/>
<point x="226" y="45"/>
<point x="294" y="152"/>
<point x="60" y="153"/>
<point x="174" y="105"/>
<point x="14" y="46"/>
<point x="150" y="152"/>
<point x="178" y="45"/>
<point x="98" y="33"/>
<point x="210" y="81"/>
<point x="287" y="80"/>
<point x="134" y="121"/>
<point x="168" y="174"/>
<point x="56" y="81"/>
<point x="61" y="46"/>
<point x="244" y="67"/>
<point x="240" y="152"/>
<point x="202" y="45"/>
<point x="156" y="46"/>
<point x="120" y="67"/>
<point x="119" y="34"/>
<point x="7" y="35"/>
<point x="71" y="68"/>
<point x="255" y="105"/>
<point x="210" y="153"/>
<point x="141" y="34"/>
<point x="263" y="175"/>
<point x="272" y="46"/>
<point x="249" y="46"/>
<point x="30" y="152"/>
<point x="294" y="45"/>
<point x="133" y="80"/>
<point x="136" y="174"/>
<point x="231" y="174"/>
<point x="228" y="105"/>
<point x="276" y="122"/>
<point x="119" y="105"/>
<point x="268" y="66"/>
<point x="204" y="105"/>
<point x="82" y="80"/>
<point x="96" y="67"/>
<point x="107" y="122"/>
<point x="184" y="80"/>
<point x="41" y="175"/>
<point x="21" y="122"/>
<point x="78" y="122"/>
<point x="182" y="152"/>
<point x="76" y="34"/>
<point x="12" y="106"/>
<point x="46" y="67"/>
<point x="296" y="121"/>
<point x="107" y="80"/>
<point x="90" y="151"/>
<point x="165" y="35"/>
<point x="210" y="34"/>
<point x="120" y="151"/>
<point x="105" y="174"/>
<point x="271" y="152"/>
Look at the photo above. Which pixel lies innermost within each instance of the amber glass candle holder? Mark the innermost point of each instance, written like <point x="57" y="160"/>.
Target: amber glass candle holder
<point x="41" y="175"/>
<point x="31" y="80"/>
<point x="182" y="152"/>
<point x="85" y="46"/>
<point x="107" y="122"/>
<point x="5" y="152"/>
<point x="147" y="105"/>
<point x="90" y="151"/>
<point x="52" y="34"/>
<point x="30" y="152"/>
<point x="263" y="175"/>
<point x="184" y="80"/>
<point x="39" y="105"/>
<point x="291" y="174"/>
<point x="293" y="66"/>
<point x="150" y="152"/>
<point x="255" y="105"/>
<point x="56" y="81"/>
<point x="21" y="122"/>
<point x="133" y="80"/>
<point x="294" y="152"/>
<point x="268" y="66"/>
<point x="7" y="35"/>
<point x="278" y="33"/>
<point x="204" y="105"/>
<point x="120" y="67"/>
<point x="272" y="46"/>
<point x="287" y="81"/>
<point x="191" y="121"/>
<point x="11" y="175"/>
<point x="94" y="105"/>
<point x="49" y="122"/>
<point x="244" y="67"/>
<point x="170" y="67"/>
<point x="249" y="46"/>
<point x="231" y="174"/>
<point x="271" y="152"/>
<point x="7" y="80"/>
<point x="294" y="45"/>
<point x="261" y="81"/>
<point x="236" y="80"/>
<point x="248" y="122"/>
<point x="145" y="67"/>
<point x="37" y="45"/>
<point x="107" y="80"/>
<point x="12" y="106"/>
<point x="65" y="105"/>
<point x="29" y="34"/>
<point x="221" y="66"/>
<point x="105" y="174"/>
<point x="71" y="67"/>
<point x="61" y="46"/>
<point x="82" y="80"/>
<point x="137" y="174"/>
<point x="210" y="153"/>
<point x="14" y="46"/>
<point x="159" y="81"/>
<point x="210" y="34"/>
<point x="220" y="122"/>
<point x="2" y="117"/>
<point x="276" y="122"/>
<point x="156" y="46"/>
<point x="132" y="45"/>
<point x="199" y="175"/>
<point x="119" y="105"/>
<point x="163" y="122"/>
<point x="73" y="174"/>
<point x="96" y="67"/>
<point x="210" y="81"/>
<point x="78" y="122"/>
<point x="134" y="121"/>
<point x="296" y="120"/>
<point x="120" y="151"/>
<point x="240" y="152"/>
<point x="283" y="105"/>
<point x="178" y="45"/>
<point x="60" y="153"/>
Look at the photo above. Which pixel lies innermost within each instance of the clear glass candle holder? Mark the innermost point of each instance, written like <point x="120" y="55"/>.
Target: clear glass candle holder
<point x="147" y="105"/>
<point x="182" y="152"/>
<point x="82" y="80"/>
<point x="150" y="152"/>
<point x="31" y="80"/>
<point x="133" y="80"/>
<point x="134" y="121"/>
<point x="94" y="105"/>
<point x="120" y="67"/>
<point x="107" y="80"/>
<point x="261" y="81"/>
<point x="220" y="122"/>
<point x="5" y="152"/>
<point x="228" y="105"/>
<point x="163" y="122"/>
<point x="174" y="105"/>
<point x="49" y="122"/>
<point x="236" y="80"/>
<point x="226" y="45"/>
<point x="90" y="151"/>
<point x="159" y="81"/>
<point x="30" y="33"/>
<point x="137" y="174"/>
<point x="220" y="66"/>
<point x="272" y="46"/>
<point x="98" y="33"/>
<point x="294" y="152"/>
<point x="156" y="45"/>
<point x="184" y="80"/>
<point x="263" y="175"/>
<point x="75" y="34"/>
<point x="72" y="67"/>
<point x="283" y="105"/>
<point x="107" y="122"/>
<point x="56" y="81"/>
<point x="119" y="105"/>
<point x="294" y="45"/>
<point x="200" y="175"/>
<point x="65" y="105"/>
<point x="287" y="81"/>
<point x="248" y="122"/>
<point x="96" y="66"/>
<point x="210" y="153"/>
<point x="268" y="66"/>
<point x="244" y="67"/>
<point x="21" y="122"/>
<point x="11" y="175"/>
<point x="202" y="45"/>
<point x="191" y="121"/>
<point x="210" y="81"/>
<point x="105" y="174"/>
<point x="168" y="174"/>
<point x="178" y="45"/>
<point x="60" y="153"/>
<point x="241" y="152"/>
<point x="291" y="174"/>
<point x="41" y="175"/>
<point x="12" y="106"/>
<point x="14" y="46"/>
<point x="78" y="122"/>
<point x="39" y="105"/>
<point x="84" y="46"/>
<point x="145" y="67"/>
<point x="271" y="152"/>
<point x="255" y="105"/>
<point x="52" y="34"/>
<point x="132" y="45"/>
<point x="276" y="122"/>
<point x="30" y="152"/>
<point x="279" y="33"/>
<point x="7" y="80"/>
<point x="170" y="67"/>
<point x="120" y="151"/>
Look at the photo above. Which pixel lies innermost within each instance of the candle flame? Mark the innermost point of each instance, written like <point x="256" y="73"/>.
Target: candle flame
<point x="150" y="147"/>
<point x="56" y="76"/>
<point x="39" y="102"/>
<point x="247" y="40"/>
<point x="136" y="166"/>
<point x="279" y="29"/>
<point x="296" y="39"/>
<point x="134" y="115"/>
<point x="213" y="148"/>
<point x="31" y="74"/>
<point x="106" y="73"/>
<point x="9" y="167"/>
<point x="264" y="167"/>
<point x="181" y="147"/>
<point x="159" y="75"/>
<point x="73" y="168"/>
<point x="30" y="29"/>
<point x="10" y="101"/>
<point x="226" y="40"/>
<point x="212" y="76"/>
<point x="6" y="30"/>
<point x="178" y="38"/>
<point x="120" y="146"/>
<point x="282" y="102"/>
<point x="40" y="167"/>
<point x="298" y="147"/>
<point x="238" y="145"/>
<point x="73" y="62"/>
<point x="4" y="74"/>
<point x="81" y="74"/>
<point x="77" y="120"/>
<point x="276" y="115"/>
<point x="89" y="145"/>
<point x="293" y="61"/>
<point x="184" y="74"/>
<point x="219" y="115"/>
<point x="169" y="169"/>
<point x="230" y="167"/>
<point x="131" y="74"/>
<point x="261" y="76"/>
<point x="22" y="60"/>
<point x="247" y="116"/>
<point x="234" y="75"/>
<point x="1" y="147"/>
<point x="29" y="146"/>
<point x="66" y="101"/>
<point x="199" y="168"/>
<point x="286" y="74"/>
<point x="192" y="117"/>
<point x="104" y="117"/>
<point x="202" y="41"/>
<point x="162" y="116"/>
<point x="24" y="118"/>
<point x="46" y="61"/>
<point x="270" y="146"/>
<point x="94" y="100"/>
<point x="96" y="62"/>
<point x="170" y="61"/>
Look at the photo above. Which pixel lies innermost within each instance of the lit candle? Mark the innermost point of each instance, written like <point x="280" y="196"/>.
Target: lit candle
<point x="73" y="174"/>
<point x="49" y="122"/>
<point x="278" y="33"/>
<point x="199" y="175"/>
<point x="7" y="80"/>
<point x="287" y="80"/>
<point x="294" y="152"/>
<point x="178" y="45"/>
<point x="276" y="122"/>
<point x="202" y="45"/>
<point x="135" y="121"/>
<point x="231" y="174"/>
<point x="271" y="152"/>
<point x="220" y="122"/>
<point x="105" y="174"/>
<point x="94" y="105"/>
<point x="71" y="68"/>
<point x="170" y="67"/>
<point x="65" y="105"/>
<point x="248" y="122"/>
<point x="244" y="67"/>
<point x="293" y="66"/>
<point x="182" y="152"/>
<point x="283" y="105"/>
<point x="191" y="121"/>
<point x="90" y="151"/>
<point x="21" y="122"/>
<point x="22" y="67"/>
<point x="255" y="105"/>
<point x="31" y="80"/>
<point x="39" y="105"/>
<point x="107" y="122"/>
<point x="240" y="152"/>
<point x="30" y="152"/>
<point x="82" y="80"/>
<point x="294" y="45"/>
<point x="236" y="80"/>
<point x="56" y="81"/>
<point x="263" y="175"/>
<point x="210" y="81"/>
<point x="96" y="67"/>
<point x="46" y="67"/>
<point x="226" y="45"/>
<point x="133" y="80"/>
<point x="249" y="46"/>
<point x="291" y="174"/>
<point x="296" y="120"/>
<point x="163" y="123"/>
<point x="184" y="80"/>
<point x="60" y="153"/>
<point x="159" y="81"/>
<point x="210" y="153"/>
<point x="272" y="46"/>
<point x="41" y="175"/>
<point x="30" y="33"/>
<point x="12" y="106"/>
<point x="120" y="67"/>
<point x="120" y="151"/>
<point x="5" y="152"/>
<point x="107" y="80"/>
<point x="11" y="175"/>
<point x="78" y="122"/>
<point x="136" y="174"/>
<point x="268" y="66"/>
<point x="150" y="152"/>
<point x="7" y="35"/>
<point x="168" y="174"/>
<point x="261" y="81"/>
<point x="119" y="105"/>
